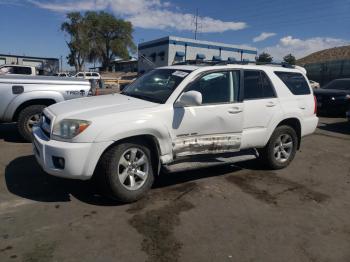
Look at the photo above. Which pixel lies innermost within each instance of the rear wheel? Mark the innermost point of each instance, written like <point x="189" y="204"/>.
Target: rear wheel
<point x="281" y="148"/>
<point x="126" y="171"/>
<point x="27" y="118"/>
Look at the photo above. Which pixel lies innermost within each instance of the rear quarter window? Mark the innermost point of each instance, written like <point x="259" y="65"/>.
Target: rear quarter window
<point x="295" y="82"/>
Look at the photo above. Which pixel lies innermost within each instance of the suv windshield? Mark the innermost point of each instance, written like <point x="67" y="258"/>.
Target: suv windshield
<point x="156" y="85"/>
<point x="338" y="84"/>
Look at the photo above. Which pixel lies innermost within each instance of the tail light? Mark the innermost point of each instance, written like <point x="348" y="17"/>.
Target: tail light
<point x="93" y="88"/>
<point x="315" y="105"/>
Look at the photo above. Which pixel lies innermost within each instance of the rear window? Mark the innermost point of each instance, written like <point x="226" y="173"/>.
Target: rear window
<point x="295" y="82"/>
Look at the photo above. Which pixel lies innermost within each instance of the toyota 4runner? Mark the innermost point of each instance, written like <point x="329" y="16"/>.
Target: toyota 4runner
<point x="172" y="114"/>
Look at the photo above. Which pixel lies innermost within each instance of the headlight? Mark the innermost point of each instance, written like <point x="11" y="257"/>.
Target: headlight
<point x="69" y="128"/>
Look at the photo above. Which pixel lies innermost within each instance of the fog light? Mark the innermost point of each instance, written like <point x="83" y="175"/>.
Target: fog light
<point x="58" y="162"/>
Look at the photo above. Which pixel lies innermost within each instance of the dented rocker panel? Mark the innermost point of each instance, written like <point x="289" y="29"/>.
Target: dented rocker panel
<point x="207" y="144"/>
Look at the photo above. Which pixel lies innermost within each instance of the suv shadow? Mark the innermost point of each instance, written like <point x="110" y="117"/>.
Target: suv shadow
<point x="9" y="133"/>
<point x="338" y="127"/>
<point x="25" y="178"/>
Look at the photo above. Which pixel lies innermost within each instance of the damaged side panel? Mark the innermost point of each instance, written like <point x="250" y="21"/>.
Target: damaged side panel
<point x="196" y="145"/>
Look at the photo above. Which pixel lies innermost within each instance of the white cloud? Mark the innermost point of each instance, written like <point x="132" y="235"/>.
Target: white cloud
<point x="144" y="14"/>
<point x="263" y="36"/>
<point x="302" y="47"/>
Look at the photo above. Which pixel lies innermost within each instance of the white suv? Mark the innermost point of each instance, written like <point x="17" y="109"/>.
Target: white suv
<point x="88" y="75"/>
<point x="172" y="114"/>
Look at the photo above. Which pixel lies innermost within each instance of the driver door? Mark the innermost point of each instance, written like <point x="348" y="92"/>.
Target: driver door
<point x="216" y="125"/>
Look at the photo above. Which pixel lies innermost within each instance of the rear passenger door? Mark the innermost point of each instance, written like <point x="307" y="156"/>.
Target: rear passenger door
<point x="260" y="105"/>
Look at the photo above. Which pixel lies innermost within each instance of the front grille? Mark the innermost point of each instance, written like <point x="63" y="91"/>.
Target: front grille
<point x="45" y="125"/>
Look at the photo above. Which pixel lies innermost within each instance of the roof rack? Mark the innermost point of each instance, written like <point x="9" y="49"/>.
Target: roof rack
<point x="197" y="62"/>
<point x="283" y="64"/>
<point x="218" y="63"/>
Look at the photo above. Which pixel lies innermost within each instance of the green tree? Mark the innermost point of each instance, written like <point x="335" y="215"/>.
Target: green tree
<point x="264" y="58"/>
<point x="78" y="43"/>
<point x="109" y="37"/>
<point x="290" y="59"/>
<point x="97" y="36"/>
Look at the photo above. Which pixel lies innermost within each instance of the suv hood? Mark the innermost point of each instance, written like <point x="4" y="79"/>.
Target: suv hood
<point x="91" y="107"/>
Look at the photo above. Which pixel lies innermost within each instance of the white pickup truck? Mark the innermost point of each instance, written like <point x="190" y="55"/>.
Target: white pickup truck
<point x="172" y="114"/>
<point x="22" y="98"/>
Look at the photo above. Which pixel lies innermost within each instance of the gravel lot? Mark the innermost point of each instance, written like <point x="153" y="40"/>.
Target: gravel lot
<point x="228" y="213"/>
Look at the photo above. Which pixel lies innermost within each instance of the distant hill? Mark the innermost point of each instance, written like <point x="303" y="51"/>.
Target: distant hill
<point x="336" y="53"/>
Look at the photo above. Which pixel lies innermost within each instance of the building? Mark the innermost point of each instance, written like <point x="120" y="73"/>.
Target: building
<point x="125" y="65"/>
<point x="46" y="65"/>
<point x="169" y="50"/>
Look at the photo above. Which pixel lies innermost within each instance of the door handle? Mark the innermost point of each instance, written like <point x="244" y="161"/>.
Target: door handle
<point x="302" y="107"/>
<point x="271" y="104"/>
<point x="235" y="110"/>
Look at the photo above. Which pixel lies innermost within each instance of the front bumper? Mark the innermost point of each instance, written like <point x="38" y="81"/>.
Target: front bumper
<point x="80" y="158"/>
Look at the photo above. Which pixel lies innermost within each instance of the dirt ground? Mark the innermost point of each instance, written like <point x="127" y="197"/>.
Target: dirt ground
<point x="229" y="213"/>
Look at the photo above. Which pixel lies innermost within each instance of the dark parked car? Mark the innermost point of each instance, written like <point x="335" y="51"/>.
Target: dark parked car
<point x="334" y="98"/>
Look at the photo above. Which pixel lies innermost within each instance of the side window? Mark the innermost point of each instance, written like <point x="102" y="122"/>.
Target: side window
<point x="295" y="82"/>
<point x="257" y="85"/>
<point x="218" y="87"/>
<point x="80" y="75"/>
<point x="268" y="89"/>
<point x="95" y="74"/>
<point x="88" y="74"/>
<point x="22" y="70"/>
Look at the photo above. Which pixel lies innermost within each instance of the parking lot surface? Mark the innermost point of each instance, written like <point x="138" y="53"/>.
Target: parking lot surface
<point x="234" y="212"/>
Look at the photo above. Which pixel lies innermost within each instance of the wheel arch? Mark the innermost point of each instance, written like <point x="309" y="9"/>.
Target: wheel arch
<point x="148" y="139"/>
<point x="295" y="124"/>
<point x="46" y="102"/>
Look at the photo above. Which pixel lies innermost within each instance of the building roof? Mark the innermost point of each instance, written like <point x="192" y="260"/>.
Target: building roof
<point x="29" y="57"/>
<point x="196" y="43"/>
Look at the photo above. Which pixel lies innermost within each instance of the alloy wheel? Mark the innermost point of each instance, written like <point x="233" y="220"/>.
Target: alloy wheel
<point x="283" y="148"/>
<point x="133" y="168"/>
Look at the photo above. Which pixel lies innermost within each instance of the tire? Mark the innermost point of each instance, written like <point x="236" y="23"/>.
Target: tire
<point x="27" y="118"/>
<point x="118" y="160"/>
<point x="276" y="155"/>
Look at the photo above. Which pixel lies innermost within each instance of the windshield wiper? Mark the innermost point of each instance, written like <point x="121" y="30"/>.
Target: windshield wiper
<point x="143" y="97"/>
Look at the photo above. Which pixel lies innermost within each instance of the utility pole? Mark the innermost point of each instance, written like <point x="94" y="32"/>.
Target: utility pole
<point x="196" y="25"/>
<point x="61" y="70"/>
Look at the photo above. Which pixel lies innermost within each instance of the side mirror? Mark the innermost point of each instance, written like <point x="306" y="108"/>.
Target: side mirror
<point x="190" y="98"/>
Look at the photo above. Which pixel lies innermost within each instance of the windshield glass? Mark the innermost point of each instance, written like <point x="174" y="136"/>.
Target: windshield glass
<point x="338" y="84"/>
<point x="156" y="85"/>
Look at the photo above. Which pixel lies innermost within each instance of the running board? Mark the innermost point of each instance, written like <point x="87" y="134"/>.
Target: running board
<point x="198" y="162"/>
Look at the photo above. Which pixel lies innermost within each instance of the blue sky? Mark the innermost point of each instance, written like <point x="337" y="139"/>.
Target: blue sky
<point x="32" y="27"/>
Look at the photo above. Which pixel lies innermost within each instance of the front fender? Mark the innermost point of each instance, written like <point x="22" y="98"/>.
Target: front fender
<point x="136" y="128"/>
<point x="29" y="96"/>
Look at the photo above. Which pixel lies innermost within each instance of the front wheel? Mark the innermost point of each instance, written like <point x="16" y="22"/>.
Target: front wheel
<point x="27" y="118"/>
<point x="281" y="148"/>
<point x="126" y="171"/>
